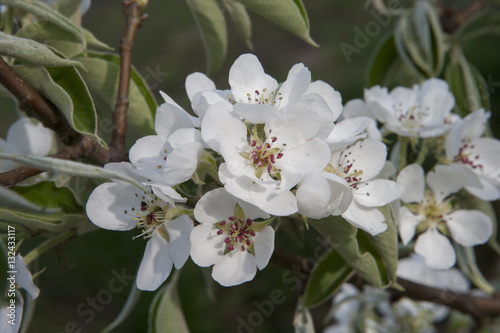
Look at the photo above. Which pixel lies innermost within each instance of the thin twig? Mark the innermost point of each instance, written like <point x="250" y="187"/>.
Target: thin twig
<point x="477" y="307"/>
<point x="85" y="147"/>
<point x="134" y="16"/>
<point x="35" y="105"/>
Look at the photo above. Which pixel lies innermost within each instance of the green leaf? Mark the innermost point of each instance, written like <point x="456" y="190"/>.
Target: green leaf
<point x="466" y="83"/>
<point x="212" y="27"/>
<point x="66" y="89"/>
<point x="69" y="167"/>
<point x="32" y="52"/>
<point x="290" y="14"/>
<point x="132" y="299"/>
<point x="325" y="279"/>
<point x="420" y="39"/>
<point x="366" y="254"/>
<point x="11" y="199"/>
<point x="102" y="76"/>
<point x="381" y="62"/>
<point x="466" y="260"/>
<point x="51" y="34"/>
<point x="46" y="13"/>
<point x="241" y="19"/>
<point x="47" y="194"/>
<point x="165" y="312"/>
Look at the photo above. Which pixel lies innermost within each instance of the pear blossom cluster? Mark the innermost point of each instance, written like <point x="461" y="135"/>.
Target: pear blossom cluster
<point x="217" y="180"/>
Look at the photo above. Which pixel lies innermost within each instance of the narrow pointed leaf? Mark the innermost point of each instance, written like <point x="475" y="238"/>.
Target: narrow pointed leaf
<point x="46" y="13"/>
<point x="46" y="194"/>
<point x="325" y="279"/>
<point x="66" y="89"/>
<point x="69" y="167"/>
<point x="381" y="62"/>
<point x="165" y="312"/>
<point x="241" y="20"/>
<point x="357" y="248"/>
<point x="212" y="27"/>
<point x="290" y="14"/>
<point x="49" y="33"/>
<point x="466" y="84"/>
<point x="32" y="52"/>
<point x="13" y="200"/>
<point x="132" y="299"/>
<point x="102" y="76"/>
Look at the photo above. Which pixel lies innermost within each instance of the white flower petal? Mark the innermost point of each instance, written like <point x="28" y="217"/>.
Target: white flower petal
<point x="179" y="245"/>
<point x="266" y="198"/>
<point x="24" y="278"/>
<point x="196" y="84"/>
<point x="296" y="123"/>
<point x="181" y="163"/>
<point x="235" y="268"/>
<point x="348" y="131"/>
<point x="436" y="249"/>
<point x="487" y="191"/>
<point x="109" y="206"/>
<point x="330" y="95"/>
<point x="445" y="180"/>
<point x="295" y="86"/>
<point x="475" y="124"/>
<point x="247" y="76"/>
<point x="312" y="156"/>
<point x="370" y="220"/>
<point x="237" y="186"/>
<point x="25" y="137"/>
<point x="156" y="264"/>
<point x="214" y="206"/>
<point x="407" y="224"/>
<point x="412" y="178"/>
<point x="367" y="155"/>
<point x="207" y="247"/>
<point x="377" y="192"/>
<point x="319" y="197"/>
<point x="222" y="126"/>
<point x="147" y="152"/>
<point x="264" y="246"/>
<point x="255" y="113"/>
<point x="170" y="117"/>
<point x="469" y="227"/>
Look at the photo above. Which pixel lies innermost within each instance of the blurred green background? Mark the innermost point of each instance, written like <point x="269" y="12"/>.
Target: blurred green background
<point x="76" y="282"/>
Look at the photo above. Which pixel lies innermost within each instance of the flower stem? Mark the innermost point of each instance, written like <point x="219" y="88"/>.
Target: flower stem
<point x="422" y="153"/>
<point x="48" y="244"/>
<point x="403" y="151"/>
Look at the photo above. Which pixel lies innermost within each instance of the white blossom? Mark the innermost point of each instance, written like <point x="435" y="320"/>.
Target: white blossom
<point x="478" y="156"/>
<point x="230" y="237"/>
<point x="423" y="111"/>
<point x="431" y="213"/>
<point x="121" y="206"/>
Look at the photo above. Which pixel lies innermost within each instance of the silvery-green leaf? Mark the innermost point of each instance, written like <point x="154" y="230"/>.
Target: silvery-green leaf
<point x="326" y="278"/>
<point x="46" y="13"/>
<point x="381" y="61"/>
<point x="49" y="33"/>
<point x="13" y="200"/>
<point x="212" y="27"/>
<point x="69" y="167"/>
<point x="102" y="75"/>
<point x="165" y="311"/>
<point x="66" y="89"/>
<point x="241" y="20"/>
<point x="466" y="83"/>
<point x="32" y="52"/>
<point x="132" y="299"/>
<point x="290" y="14"/>
<point x="372" y="257"/>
